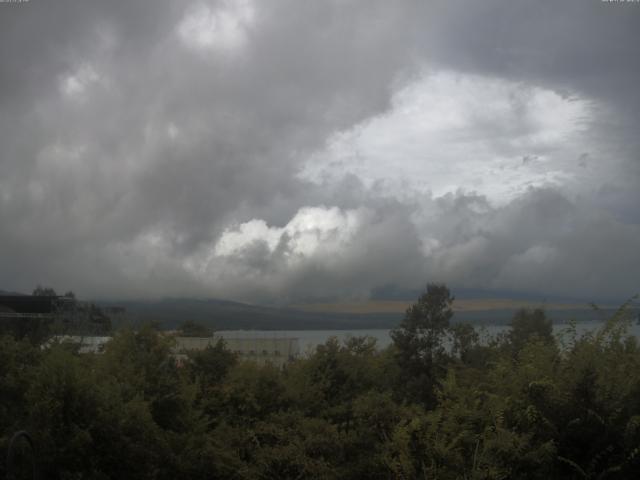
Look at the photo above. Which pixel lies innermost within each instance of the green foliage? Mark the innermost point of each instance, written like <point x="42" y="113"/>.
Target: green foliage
<point x="83" y="423"/>
<point x="189" y="328"/>
<point x="466" y="344"/>
<point x="528" y="325"/>
<point x="419" y="341"/>
<point x="519" y="407"/>
<point x="209" y="367"/>
<point x="16" y="361"/>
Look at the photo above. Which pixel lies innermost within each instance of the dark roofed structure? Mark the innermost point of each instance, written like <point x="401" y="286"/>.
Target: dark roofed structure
<point x="27" y="315"/>
<point x="28" y="304"/>
<point x="37" y="315"/>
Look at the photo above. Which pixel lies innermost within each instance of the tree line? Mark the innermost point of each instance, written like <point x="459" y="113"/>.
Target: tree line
<point x="437" y="403"/>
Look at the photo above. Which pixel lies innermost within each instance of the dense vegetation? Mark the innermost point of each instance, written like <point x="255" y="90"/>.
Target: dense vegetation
<point x="437" y="404"/>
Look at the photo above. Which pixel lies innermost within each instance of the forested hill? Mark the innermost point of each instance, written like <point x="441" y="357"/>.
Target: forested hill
<point x="221" y="314"/>
<point x="224" y="315"/>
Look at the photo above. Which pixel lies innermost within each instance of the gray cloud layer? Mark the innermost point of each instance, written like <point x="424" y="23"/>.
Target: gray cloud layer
<point x="156" y="148"/>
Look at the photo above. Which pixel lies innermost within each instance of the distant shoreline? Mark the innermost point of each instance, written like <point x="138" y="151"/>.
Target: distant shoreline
<point x="459" y="305"/>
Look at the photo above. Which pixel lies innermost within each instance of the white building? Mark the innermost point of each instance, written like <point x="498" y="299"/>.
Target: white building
<point x="87" y="344"/>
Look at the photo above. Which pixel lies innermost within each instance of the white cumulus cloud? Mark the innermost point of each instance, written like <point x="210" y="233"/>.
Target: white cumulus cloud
<point x="448" y="131"/>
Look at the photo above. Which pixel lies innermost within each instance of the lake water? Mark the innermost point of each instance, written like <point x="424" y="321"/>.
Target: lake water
<point x="310" y="339"/>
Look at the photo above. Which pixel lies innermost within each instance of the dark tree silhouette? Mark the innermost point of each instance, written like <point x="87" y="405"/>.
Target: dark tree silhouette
<point x="419" y="341"/>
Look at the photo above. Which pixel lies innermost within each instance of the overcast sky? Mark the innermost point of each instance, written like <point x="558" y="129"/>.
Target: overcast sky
<point x="286" y="150"/>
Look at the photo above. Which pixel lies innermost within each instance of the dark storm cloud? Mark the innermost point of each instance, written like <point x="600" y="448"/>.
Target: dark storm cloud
<point x="114" y="125"/>
<point x="542" y="242"/>
<point x="585" y="46"/>
<point x="135" y="134"/>
<point x="346" y="254"/>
